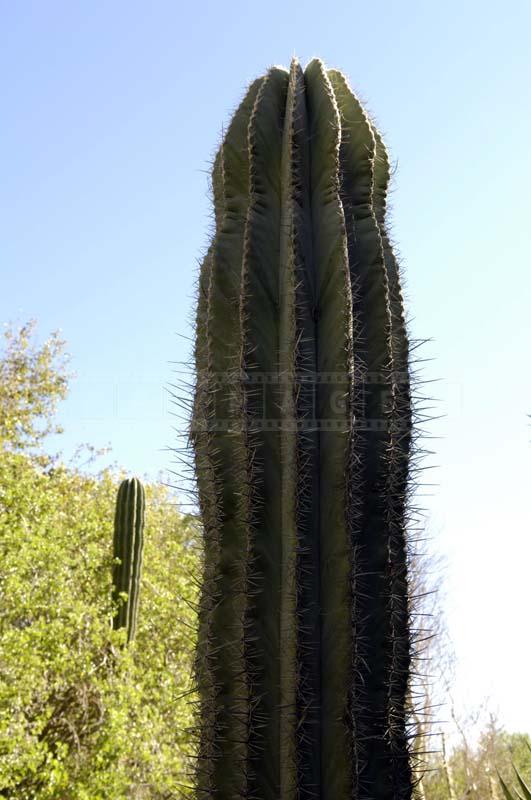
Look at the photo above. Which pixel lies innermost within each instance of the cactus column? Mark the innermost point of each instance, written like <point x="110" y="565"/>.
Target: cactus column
<point x="301" y="433"/>
<point x="128" y="547"/>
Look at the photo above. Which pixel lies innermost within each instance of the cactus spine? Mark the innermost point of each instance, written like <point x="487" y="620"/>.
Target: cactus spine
<point x="128" y="547"/>
<point x="301" y="435"/>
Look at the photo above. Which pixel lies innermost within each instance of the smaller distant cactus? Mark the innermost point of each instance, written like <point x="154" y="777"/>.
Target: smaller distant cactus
<point x="128" y="546"/>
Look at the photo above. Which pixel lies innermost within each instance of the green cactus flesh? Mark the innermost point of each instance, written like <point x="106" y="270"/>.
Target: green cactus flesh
<point x="128" y="547"/>
<point x="301" y="434"/>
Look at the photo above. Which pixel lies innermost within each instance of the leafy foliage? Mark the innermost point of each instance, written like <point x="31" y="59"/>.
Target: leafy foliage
<point x="80" y="716"/>
<point x="32" y="381"/>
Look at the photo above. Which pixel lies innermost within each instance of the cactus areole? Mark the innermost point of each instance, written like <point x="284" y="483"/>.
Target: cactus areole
<point x="128" y="547"/>
<point x="301" y="433"/>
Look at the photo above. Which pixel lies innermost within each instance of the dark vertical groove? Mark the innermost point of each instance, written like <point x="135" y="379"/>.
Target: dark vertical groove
<point x="308" y="742"/>
<point x="334" y="315"/>
<point x="287" y="349"/>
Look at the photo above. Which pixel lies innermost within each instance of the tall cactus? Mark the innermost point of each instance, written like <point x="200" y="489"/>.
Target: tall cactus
<point x="301" y="434"/>
<point x="128" y="547"/>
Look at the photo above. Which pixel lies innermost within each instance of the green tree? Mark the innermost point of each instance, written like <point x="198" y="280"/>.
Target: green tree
<point x="33" y="379"/>
<point x="82" y="718"/>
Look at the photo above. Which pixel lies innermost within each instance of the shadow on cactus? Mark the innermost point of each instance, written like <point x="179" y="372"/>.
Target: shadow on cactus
<point x="302" y="435"/>
<point x="127" y="551"/>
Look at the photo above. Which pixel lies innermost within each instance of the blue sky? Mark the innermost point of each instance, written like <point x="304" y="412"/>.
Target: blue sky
<point x="111" y="114"/>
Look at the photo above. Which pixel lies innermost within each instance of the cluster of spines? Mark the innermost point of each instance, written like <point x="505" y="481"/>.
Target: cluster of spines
<point x="301" y="433"/>
<point x="128" y="548"/>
